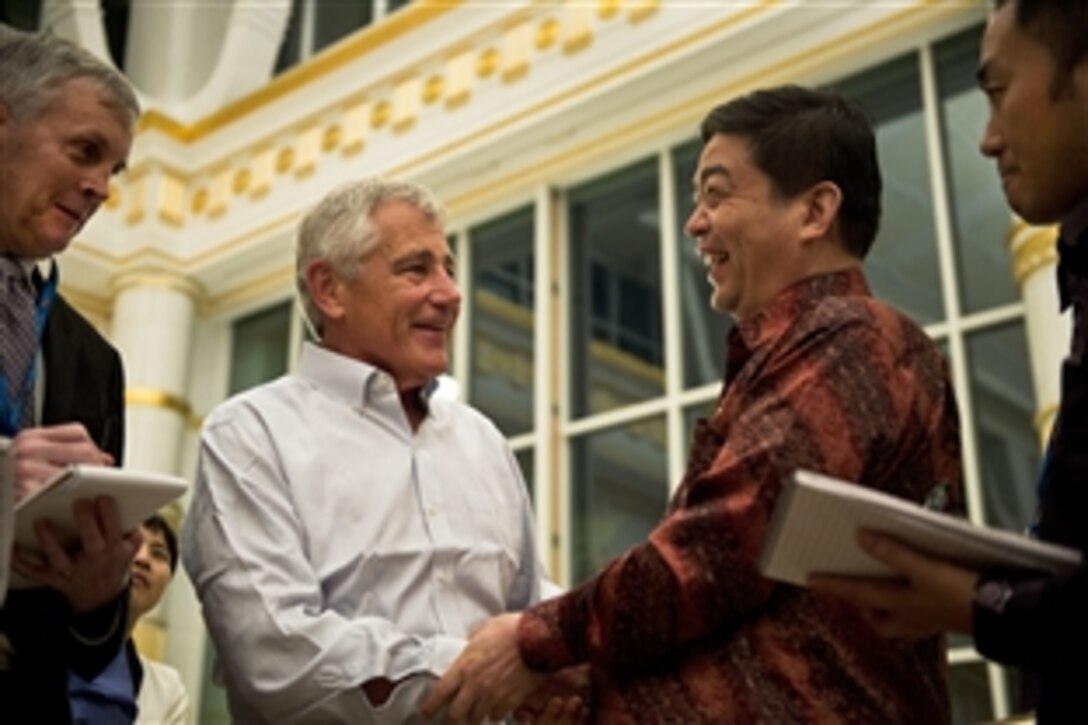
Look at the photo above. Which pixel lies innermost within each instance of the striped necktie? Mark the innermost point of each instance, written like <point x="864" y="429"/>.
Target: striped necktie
<point x="19" y="342"/>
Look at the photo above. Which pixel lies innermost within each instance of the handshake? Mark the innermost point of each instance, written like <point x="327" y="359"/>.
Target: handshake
<point x="489" y="681"/>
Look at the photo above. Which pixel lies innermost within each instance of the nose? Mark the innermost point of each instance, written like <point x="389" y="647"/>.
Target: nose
<point x="992" y="142"/>
<point x="96" y="185"/>
<point x="143" y="556"/>
<point x="697" y="223"/>
<point x="446" y="291"/>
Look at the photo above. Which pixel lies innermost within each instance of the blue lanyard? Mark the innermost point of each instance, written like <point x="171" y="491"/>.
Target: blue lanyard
<point x="12" y="400"/>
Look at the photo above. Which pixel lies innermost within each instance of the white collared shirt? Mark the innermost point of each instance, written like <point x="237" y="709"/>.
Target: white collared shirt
<point x="329" y="545"/>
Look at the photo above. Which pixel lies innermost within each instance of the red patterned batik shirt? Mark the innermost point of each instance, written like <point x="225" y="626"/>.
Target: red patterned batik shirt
<point x="683" y="628"/>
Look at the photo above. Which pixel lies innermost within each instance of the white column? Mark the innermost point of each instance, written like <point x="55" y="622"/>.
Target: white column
<point x="1035" y="255"/>
<point x="152" y="327"/>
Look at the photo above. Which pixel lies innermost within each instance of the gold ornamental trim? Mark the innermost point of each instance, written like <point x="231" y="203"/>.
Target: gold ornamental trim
<point x="155" y="398"/>
<point x="1033" y="248"/>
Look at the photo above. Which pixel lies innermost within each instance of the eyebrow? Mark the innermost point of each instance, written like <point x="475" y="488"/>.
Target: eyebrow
<point x="710" y="171"/>
<point x="424" y="255"/>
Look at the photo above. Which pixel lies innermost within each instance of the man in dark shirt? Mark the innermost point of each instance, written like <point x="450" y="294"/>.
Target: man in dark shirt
<point x="819" y="375"/>
<point x="1034" y="69"/>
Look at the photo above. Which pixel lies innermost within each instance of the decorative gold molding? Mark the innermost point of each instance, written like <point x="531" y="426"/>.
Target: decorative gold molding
<point x="607" y="9"/>
<point x="242" y="177"/>
<point x="1044" y="422"/>
<point x="643" y="9"/>
<point x="517" y="46"/>
<point x="171" y="198"/>
<point x="546" y="34"/>
<point x="138" y="397"/>
<point x="433" y="88"/>
<point x="1033" y="248"/>
<point x="487" y="63"/>
<point x="406" y="99"/>
<point x="578" y="30"/>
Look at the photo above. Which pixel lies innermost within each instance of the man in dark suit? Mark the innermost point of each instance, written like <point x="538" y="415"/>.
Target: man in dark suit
<point x="1033" y="69"/>
<point x="66" y="123"/>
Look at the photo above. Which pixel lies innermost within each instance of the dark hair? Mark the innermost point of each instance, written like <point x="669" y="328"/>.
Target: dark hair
<point x="800" y="137"/>
<point x="157" y="523"/>
<point x="1062" y="27"/>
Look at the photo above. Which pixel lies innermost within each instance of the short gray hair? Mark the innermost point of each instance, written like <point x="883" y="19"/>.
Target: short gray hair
<point x="33" y="65"/>
<point x="340" y="229"/>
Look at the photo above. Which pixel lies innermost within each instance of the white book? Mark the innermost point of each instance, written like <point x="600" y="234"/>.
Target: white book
<point x="816" y="520"/>
<point x="138" y="495"/>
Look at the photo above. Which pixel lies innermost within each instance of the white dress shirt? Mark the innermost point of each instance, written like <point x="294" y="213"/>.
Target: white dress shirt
<point x="162" y="699"/>
<point x="329" y="545"/>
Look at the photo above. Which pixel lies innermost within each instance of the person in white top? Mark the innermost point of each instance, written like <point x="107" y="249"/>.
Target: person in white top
<point x="349" y="529"/>
<point x="132" y="684"/>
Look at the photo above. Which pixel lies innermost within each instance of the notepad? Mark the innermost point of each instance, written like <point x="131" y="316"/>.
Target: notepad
<point x="814" y="527"/>
<point x="138" y="495"/>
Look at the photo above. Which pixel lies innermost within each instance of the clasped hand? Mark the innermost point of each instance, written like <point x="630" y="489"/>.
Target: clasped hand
<point x="489" y="681"/>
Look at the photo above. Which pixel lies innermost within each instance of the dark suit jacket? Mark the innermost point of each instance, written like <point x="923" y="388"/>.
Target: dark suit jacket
<point x="84" y="382"/>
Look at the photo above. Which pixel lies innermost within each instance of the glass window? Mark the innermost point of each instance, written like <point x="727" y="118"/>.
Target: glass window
<point x="615" y="303"/>
<point x="980" y="217"/>
<point x="703" y="329"/>
<point x="902" y="266"/>
<point x="259" y="347"/>
<point x="115" y="15"/>
<point x="525" y="463"/>
<point x="501" y="339"/>
<point x="970" y="689"/>
<point x="316" y="24"/>
<point x="1004" y="406"/>
<point x="618" y="491"/>
<point x="21" y="14"/>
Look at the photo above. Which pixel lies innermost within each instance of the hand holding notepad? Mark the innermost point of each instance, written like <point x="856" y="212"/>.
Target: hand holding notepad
<point x="138" y="495"/>
<point x="815" y="523"/>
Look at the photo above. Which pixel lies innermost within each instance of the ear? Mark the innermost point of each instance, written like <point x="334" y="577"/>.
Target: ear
<point x="325" y="287"/>
<point x="821" y="210"/>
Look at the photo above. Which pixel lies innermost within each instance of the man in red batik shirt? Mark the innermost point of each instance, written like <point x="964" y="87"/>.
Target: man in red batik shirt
<point x="819" y="375"/>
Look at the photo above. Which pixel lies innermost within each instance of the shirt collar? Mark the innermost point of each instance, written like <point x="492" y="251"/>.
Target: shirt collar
<point x="347" y="379"/>
<point x="777" y="316"/>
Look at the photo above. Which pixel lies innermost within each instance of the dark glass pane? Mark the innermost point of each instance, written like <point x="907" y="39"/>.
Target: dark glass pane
<point x="334" y="20"/>
<point x="115" y="14"/>
<point x="1004" y="405"/>
<point x="902" y="267"/>
<point x="291" y="47"/>
<point x="501" y="358"/>
<point x="703" y="330"/>
<point x="980" y="216"/>
<point x="617" y="342"/>
<point x="618" y="491"/>
<point x="525" y="463"/>
<point x="21" y="14"/>
<point x="970" y="690"/>
<point x="259" y="347"/>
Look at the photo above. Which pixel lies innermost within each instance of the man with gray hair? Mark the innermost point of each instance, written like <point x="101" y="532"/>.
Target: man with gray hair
<point x="66" y="124"/>
<point x="349" y="528"/>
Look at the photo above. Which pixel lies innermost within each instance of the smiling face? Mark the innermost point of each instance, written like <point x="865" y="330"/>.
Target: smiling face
<point x="56" y="167"/>
<point x="151" y="572"/>
<point x="1039" y="139"/>
<point x="749" y="237"/>
<point x="399" y="313"/>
